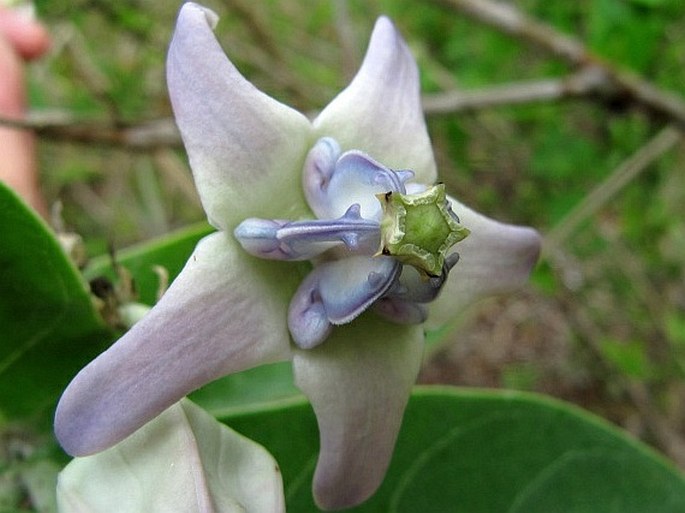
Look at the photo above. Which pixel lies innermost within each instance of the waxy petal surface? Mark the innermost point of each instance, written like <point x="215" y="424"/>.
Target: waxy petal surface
<point x="358" y="382"/>
<point x="183" y="461"/>
<point x="336" y="292"/>
<point x="246" y="149"/>
<point x="224" y="313"/>
<point x="348" y="286"/>
<point x="305" y="240"/>
<point x="333" y="182"/>
<point x="380" y="112"/>
<point x="495" y="258"/>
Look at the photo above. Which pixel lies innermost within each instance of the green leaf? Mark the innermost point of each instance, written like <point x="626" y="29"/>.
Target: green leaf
<point x="263" y="387"/>
<point x="48" y="325"/>
<point x="182" y="461"/>
<point x="169" y="252"/>
<point x="486" y="451"/>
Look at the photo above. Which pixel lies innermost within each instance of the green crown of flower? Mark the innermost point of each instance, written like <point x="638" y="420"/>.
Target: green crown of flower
<point x="419" y="229"/>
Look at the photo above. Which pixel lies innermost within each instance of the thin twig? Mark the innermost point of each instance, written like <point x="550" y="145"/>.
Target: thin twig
<point x="585" y="82"/>
<point x="163" y="133"/>
<point x="508" y="19"/>
<point x="144" y="136"/>
<point x="606" y="190"/>
<point x="619" y="85"/>
<point x="593" y="78"/>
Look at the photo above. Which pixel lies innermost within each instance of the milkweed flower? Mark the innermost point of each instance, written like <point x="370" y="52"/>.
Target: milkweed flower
<point x="334" y="249"/>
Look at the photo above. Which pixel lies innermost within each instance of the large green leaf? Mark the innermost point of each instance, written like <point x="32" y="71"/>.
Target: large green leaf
<point x="263" y="387"/>
<point x="48" y="326"/>
<point x="486" y="451"/>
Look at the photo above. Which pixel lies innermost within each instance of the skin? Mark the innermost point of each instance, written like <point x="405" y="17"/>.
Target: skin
<point x="21" y="39"/>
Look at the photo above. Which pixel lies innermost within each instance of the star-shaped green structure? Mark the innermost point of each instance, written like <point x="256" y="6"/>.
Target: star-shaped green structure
<point x="419" y="229"/>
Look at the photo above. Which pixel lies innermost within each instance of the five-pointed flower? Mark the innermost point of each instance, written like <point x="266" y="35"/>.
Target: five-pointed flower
<point x="334" y="197"/>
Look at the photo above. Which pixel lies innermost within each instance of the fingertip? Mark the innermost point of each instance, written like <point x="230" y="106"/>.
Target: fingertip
<point x="29" y="38"/>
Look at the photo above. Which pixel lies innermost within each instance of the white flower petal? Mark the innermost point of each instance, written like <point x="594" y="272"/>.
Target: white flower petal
<point x="246" y="149"/>
<point x="184" y="461"/>
<point x="358" y="382"/>
<point x="224" y="313"/>
<point x="495" y="258"/>
<point x="380" y="111"/>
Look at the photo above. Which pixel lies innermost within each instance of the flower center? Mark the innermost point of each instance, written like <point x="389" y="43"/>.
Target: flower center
<point x="372" y="244"/>
<point x="419" y="229"/>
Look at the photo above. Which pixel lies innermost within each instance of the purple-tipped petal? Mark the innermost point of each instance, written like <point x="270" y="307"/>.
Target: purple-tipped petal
<point x="305" y="240"/>
<point x="335" y="293"/>
<point x="495" y="258"/>
<point x="380" y="111"/>
<point x="259" y="237"/>
<point x="224" y="313"/>
<point x="348" y="286"/>
<point x="307" y="320"/>
<point x="358" y="383"/>
<point x="246" y="149"/>
<point x="319" y="167"/>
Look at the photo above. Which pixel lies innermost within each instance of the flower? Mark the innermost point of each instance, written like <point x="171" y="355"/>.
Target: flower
<point x="369" y="226"/>
<point x="227" y="311"/>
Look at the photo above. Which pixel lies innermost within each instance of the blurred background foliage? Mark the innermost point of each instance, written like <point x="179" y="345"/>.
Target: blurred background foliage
<point x="603" y="322"/>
